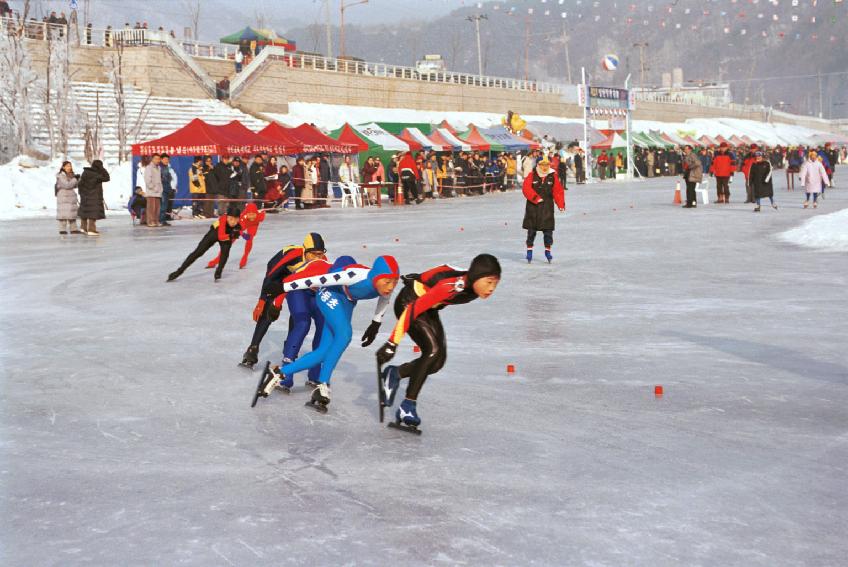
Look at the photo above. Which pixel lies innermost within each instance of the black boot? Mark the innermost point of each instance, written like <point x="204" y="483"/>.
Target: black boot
<point x="174" y="275"/>
<point x="251" y="356"/>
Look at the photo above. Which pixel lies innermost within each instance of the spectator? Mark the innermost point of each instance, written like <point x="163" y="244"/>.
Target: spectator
<point x="650" y="159"/>
<point x="722" y="168"/>
<point x="107" y="36"/>
<point x="258" y="186"/>
<point x="211" y="185"/>
<point x="137" y="204"/>
<point x="603" y="162"/>
<point x="324" y="178"/>
<point x="273" y="195"/>
<point x="761" y="184"/>
<point x="348" y="173"/>
<point x="6" y="12"/>
<point x="239" y="60"/>
<point x="67" y="204"/>
<point x="286" y="186"/>
<point x="428" y="181"/>
<point x="511" y="169"/>
<point x="372" y="185"/>
<point x="580" y="166"/>
<point x="409" y="178"/>
<point x="795" y="159"/>
<point x="311" y="187"/>
<point x="235" y="184"/>
<point x="299" y="182"/>
<point x="197" y="187"/>
<point x="221" y="173"/>
<point x="88" y="32"/>
<point x="692" y="174"/>
<point x="153" y="191"/>
<point x="169" y="189"/>
<point x="814" y="177"/>
<point x="90" y="186"/>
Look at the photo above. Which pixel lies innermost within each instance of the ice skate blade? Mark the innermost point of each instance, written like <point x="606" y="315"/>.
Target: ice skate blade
<point x="260" y="386"/>
<point x="405" y="428"/>
<point x="319" y="407"/>
<point x="250" y="367"/>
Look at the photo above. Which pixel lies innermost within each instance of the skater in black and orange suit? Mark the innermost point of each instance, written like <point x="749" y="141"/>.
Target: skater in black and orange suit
<point x="224" y="232"/>
<point x="417" y="309"/>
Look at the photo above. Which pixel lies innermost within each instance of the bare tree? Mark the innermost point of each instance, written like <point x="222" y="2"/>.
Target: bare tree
<point x="59" y="107"/>
<point x="193" y="9"/>
<point x="114" y="64"/>
<point x="93" y="146"/>
<point x="17" y="84"/>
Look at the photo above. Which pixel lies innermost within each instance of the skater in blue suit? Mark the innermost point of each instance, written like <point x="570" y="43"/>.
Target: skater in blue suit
<point x="340" y="286"/>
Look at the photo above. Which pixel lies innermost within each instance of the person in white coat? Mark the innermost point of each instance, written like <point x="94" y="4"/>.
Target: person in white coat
<point x="348" y="173"/>
<point x="813" y="177"/>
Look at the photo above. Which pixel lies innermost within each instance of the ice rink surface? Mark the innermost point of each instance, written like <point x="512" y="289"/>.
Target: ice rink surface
<point x="126" y="436"/>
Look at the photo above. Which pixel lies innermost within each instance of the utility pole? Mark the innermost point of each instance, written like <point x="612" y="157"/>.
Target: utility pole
<point x="342" y="7"/>
<point x="563" y="39"/>
<point x="821" y="106"/>
<point x="476" y="19"/>
<point x="641" y="46"/>
<point x="329" y="27"/>
<point x="526" y="48"/>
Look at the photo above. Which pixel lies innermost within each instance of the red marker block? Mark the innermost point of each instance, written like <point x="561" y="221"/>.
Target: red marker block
<point x="397" y="239"/>
<point x="510" y="369"/>
<point x="416" y="348"/>
<point x="658" y="391"/>
<point x="461" y="229"/>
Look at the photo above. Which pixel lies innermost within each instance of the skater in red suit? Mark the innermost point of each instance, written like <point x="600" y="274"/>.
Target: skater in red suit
<point x="223" y="232"/>
<point x="417" y="309"/>
<point x="542" y="190"/>
<point x="249" y="221"/>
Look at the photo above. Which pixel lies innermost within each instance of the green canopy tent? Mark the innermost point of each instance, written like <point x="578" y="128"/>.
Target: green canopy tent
<point x="371" y="141"/>
<point x="397" y="128"/>
<point x="260" y="36"/>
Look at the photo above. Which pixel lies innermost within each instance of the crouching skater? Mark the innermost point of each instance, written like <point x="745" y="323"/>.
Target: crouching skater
<point x="224" y="231"/>
<point x="340" y="286"/>
<point x="417" y="309"/>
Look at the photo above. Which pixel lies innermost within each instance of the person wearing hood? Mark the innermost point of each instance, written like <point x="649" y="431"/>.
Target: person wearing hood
<point x="340" y="286"/>
<point x="542" y="190"/>
<point x="302" y="307"/>
<point x="408" y="171"/>
<point x="224" y="232"/>
<point x="417" y="309"/>
<point x="91" y="208"/>
<point x="249" y="221"/>
<point x="67" y="203"/>
<point x="759" y="175"/>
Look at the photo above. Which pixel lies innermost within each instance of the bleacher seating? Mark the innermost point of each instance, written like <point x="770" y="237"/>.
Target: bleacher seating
<point x="155" y="116"/>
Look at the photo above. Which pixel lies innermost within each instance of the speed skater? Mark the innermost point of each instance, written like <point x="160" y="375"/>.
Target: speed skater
<point x="249" y="221"/>
<point x="340" y="286"/>
<point x="301" y="303"/>
<point x="417" y="309"/>
<point x="542" y="189"/>
<point x="224" y="231"/>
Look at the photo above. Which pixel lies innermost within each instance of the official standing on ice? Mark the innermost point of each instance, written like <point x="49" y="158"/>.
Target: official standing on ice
<point x="542" y="190"/>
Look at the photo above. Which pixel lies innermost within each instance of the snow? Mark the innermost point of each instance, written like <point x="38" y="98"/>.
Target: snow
<point x="826" y="232"/>
<point x="126" y="436"/>
<point x="28" y="188"/>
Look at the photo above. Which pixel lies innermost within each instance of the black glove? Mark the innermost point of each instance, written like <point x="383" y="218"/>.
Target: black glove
<point x="386" y="352"/>
<point x="370" y="333"/>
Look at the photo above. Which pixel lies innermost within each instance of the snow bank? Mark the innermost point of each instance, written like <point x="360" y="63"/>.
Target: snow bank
<point x="826" y="232"/>
<point x="26" y="188"/>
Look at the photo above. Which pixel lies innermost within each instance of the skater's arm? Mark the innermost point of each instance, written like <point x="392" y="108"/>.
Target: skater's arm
<point x="529" y="193"/>
<point x="559" y="194"/>
<point x="382" y="304"/>
<point x="349" y="276"/>
<point x="438" y="294"/>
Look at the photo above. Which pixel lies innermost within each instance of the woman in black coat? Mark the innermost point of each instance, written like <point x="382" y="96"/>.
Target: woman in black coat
<point x="760" y="179"/>
<point x="90" y="189"/>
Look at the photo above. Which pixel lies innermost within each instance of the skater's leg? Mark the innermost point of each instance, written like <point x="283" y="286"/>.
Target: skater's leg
<point x="427" y="332"/>
<point x="531" y="237"/>
<point x="299" y="323"/>
<point x="338" y="320"/>
<point x="318" y="317"/>
<point x="225" y="253"/>
<point x="549" y="241"/>
<point x="313" y="358"/>
<point x="207" y="242"/>
<point x="264" y="323"/>
<point x="248" y="246"/>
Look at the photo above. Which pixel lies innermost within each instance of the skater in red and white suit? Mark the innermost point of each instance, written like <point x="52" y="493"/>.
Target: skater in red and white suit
<point x="417" y="309"/>
<point x="249" y="221"/>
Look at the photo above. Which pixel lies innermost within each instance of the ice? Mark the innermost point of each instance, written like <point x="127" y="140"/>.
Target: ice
<point x="827" y="232"/>
<point x="126" y="436"/>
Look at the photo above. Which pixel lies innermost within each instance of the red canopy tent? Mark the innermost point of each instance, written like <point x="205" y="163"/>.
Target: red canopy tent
<point x="530" y="137"/>
<point x="257" y="142"/>
<point x="737" y="141"/>
<point x="476" y="140"/>
<point x="440" y="140"/>
<point x="350" y="137"/>
<point x="446" y="125"/>
<point x="281" y="135"/>
<point x="706" y="140"/>
<point x="722" y="140"/>
<point x="195" y="138"/>
<point x="746" y="139"/>
<point x="691" y="141"/>
<point x="316" y="141"/>
<point x="414" y="144"/>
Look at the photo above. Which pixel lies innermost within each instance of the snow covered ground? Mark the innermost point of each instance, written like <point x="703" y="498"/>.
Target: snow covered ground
<point x="126" y="436"/>
<point x="27" y="188"/>
<point x="826" y="232"/>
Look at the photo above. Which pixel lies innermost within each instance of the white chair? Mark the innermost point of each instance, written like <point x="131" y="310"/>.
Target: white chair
<point x="350" y="195"/>
<point x="702" y="190"/>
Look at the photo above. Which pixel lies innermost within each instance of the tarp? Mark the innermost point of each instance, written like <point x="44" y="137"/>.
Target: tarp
<point x="316" y="141"/>
<point x="382" y="137"/>
<point x="280" y="135"/>
<point x="414" y="144"/>
<point x="692" y="141"/>
<point x="614" y="141"/>
<point x="260" y="36"/>
<point x="347" y="135"/>
<point x="477" y="142"/>
<point x="414" y="135"/>
<point x="499" y="135"/>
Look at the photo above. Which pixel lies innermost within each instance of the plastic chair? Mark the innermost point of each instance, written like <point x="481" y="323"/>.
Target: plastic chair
<point x="350" y="193"/>
<point x="703" y="190"/>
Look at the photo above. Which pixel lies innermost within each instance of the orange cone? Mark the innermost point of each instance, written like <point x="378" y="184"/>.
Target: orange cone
<point x="677" y="200"/>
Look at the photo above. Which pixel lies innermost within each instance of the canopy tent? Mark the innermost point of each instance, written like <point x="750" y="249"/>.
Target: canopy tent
<point x="280" y="135"/>
<point x="566" y="133"/>
<point x="477" y="142"/>
<point x="707" y="141"/>
<point x="416" y="136"/>
<point x="671" y="138"/>
<point x="315" y="141"/>
<point x="722" y="140"/>
<point x="260" y="36"/>
<point x="642" y="140"/>
<point x="371" y="140"/>
<point x="614" y="141"/>
<point x="655" y="140"/>
<point x="444" y="137"/>
<point x="500" y="136"/>
<point x="446" y="125"/>
<point x="414" y="145"/>
<point x="736" y="140"/>
<point x="396" y="128"/>
<point x="347" y="135"/>
<point x="254" y="143"/>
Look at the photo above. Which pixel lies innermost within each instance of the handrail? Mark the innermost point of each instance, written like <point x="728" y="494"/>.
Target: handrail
<point x="238" y="84"/>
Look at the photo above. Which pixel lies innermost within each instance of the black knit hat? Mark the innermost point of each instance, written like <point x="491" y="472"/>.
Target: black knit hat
<point x="483" y="266"/>
<point x="233" y="211"/>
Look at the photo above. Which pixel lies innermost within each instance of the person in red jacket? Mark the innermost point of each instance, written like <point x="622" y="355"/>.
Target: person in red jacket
<point x="417" y="309"/>
<point x="542" y="189"/>
<point x="408" y="171"/>
<point x="722" y="167"/>
<point x="249" y="221"/>
<point x="746" y="171"/>
<point x="224" y="232"/>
